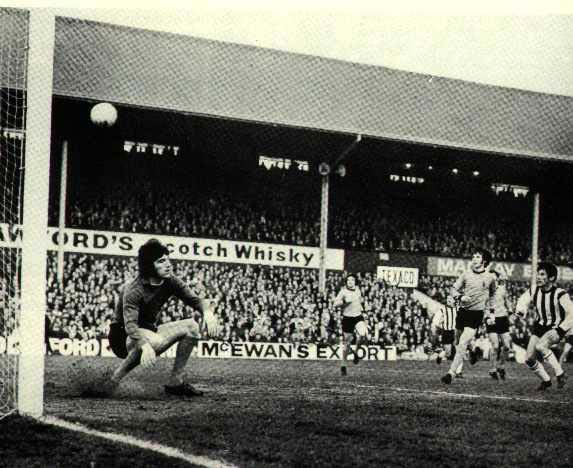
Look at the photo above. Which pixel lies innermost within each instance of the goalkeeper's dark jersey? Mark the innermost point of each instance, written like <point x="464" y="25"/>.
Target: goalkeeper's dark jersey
<point x="140" y="303"/>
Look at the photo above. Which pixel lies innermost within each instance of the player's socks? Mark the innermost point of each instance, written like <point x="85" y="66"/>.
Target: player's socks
<point x="447" y="379"/>
<point x="474" y="356"/>
<point x="539" y="370"/>
<point x="550" y="359"/>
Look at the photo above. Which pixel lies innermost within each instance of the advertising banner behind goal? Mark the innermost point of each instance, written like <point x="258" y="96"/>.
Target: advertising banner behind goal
<point x="217" y="349"/>
<point x="182" y="248"/>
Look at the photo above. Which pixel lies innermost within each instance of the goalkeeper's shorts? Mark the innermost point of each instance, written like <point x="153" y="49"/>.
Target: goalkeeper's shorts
<point x="117" y="340"/>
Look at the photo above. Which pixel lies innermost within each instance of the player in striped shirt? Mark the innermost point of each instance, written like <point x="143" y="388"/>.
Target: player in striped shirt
<point x="444" y="322"/>
<point x="350" y="300"/>
<point x="497" y="326"/>
<point x="475" y="289"/>
<point x="554" y="319"/>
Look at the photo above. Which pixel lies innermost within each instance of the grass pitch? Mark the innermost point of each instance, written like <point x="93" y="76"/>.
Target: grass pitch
<point x="296" y="413"/>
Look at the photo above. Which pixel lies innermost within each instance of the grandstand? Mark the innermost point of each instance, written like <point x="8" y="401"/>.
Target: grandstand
<point x="234" y="189"/>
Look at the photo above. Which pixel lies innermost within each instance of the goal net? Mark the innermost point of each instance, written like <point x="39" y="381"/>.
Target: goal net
<point x="13" y="54"/>
<point x="25" y="120"/>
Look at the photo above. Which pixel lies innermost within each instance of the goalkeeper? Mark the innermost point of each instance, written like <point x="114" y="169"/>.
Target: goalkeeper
<point x="135" y="334"/>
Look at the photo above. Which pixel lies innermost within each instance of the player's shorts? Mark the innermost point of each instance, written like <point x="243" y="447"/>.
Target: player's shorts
<point x="117" y="340"/>
<point x="469" y="318"/>
<point x="349" y="323"/>
<point x="540" y="330"/>
<point x="448" y="336"/>
<point x="500" y="326"/>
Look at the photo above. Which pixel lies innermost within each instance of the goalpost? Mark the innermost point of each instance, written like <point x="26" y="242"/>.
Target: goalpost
<point x="26" y="64"/>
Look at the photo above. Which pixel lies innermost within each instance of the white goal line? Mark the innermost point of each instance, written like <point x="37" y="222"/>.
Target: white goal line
<point x="140" y="443"/>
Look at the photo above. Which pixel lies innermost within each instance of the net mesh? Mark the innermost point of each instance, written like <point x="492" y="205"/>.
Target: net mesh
<point x="13" y="60"/>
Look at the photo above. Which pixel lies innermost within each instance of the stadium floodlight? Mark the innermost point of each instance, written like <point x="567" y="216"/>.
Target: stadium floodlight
<point x="25" y="104"/>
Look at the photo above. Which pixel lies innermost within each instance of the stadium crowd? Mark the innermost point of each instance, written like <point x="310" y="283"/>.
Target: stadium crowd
<point x="282" y="207"/>
<point x="254" y="303"/>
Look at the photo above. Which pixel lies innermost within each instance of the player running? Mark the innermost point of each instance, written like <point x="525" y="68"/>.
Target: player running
<point x="444" y="324"/>
<point x="497" y="326"/>
<point x="135" y="334"/>
<point x="475" y="289"/>
<point x="554" y="319"/>
<point x="350" y="299"/>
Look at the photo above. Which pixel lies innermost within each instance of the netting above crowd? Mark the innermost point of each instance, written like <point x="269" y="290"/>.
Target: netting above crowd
<point x="284" y="207"/>
<point x="254" y="303"/>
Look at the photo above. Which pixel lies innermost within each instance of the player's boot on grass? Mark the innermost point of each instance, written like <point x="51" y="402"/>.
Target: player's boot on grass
<point x="474" y="356"/>
<point x="183" y="389"/>
<point x="460" y="375"/>
<point x="501" y="373"/>
<point x="562" y="380"/>
<point x="343" y="371"/>
<point x="356" y="359"/>
<point x="439" y="359"/>
<point x="493" y="374"/>
<point x="544" y="385"/>
<point x="447" y="379"/>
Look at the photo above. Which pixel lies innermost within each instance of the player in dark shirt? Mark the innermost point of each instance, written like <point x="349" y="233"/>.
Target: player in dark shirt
<point x="135" y="334"/>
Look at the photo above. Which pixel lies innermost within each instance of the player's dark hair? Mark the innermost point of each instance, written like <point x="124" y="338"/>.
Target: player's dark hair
<point x="548" y="268"/>
<point x="148" y="253"/>
<point x="351" y="275"/>
<point x="485" y="255"/>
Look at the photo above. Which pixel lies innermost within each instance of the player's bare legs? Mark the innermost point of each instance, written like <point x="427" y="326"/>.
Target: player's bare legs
<point x="543" y="347"/>
<point x="347" y="339"/>
<point x="566" y="350"/>
<point x="183" y="332"/>
<point x="465" y="339"/>
<point x="493" y="355"/>
<point x="361" y="331"/>
<point x="503" y="353"/>
<point x="186" y="333"/>
<point x="534" y="365"/>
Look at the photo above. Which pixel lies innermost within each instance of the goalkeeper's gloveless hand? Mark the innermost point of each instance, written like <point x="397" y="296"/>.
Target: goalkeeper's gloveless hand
<point x="148" y="355"/>
<point x="210" y="321"/>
